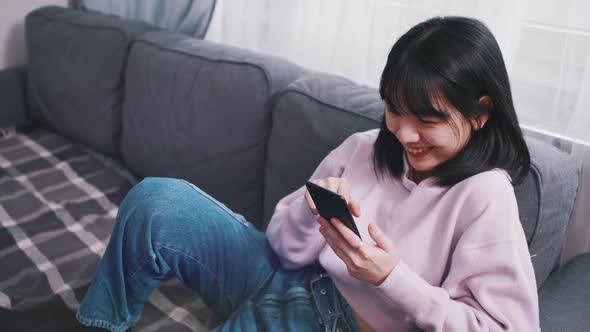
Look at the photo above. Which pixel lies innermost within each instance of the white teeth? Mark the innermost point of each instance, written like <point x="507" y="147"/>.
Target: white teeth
<point x="411" y="150"/>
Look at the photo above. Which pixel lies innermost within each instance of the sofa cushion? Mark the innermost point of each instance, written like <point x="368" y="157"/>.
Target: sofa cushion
<point x="201" y="111"/>
<point x="317" y="112"/>
<point x="310" y="118"/>
<point x="12" y="97"/>
<point x="545" y="204"/>
<point x="564" y="299"/>
<point x="76" y="66"/>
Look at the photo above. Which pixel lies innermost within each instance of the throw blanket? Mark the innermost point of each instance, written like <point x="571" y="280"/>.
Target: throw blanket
<point x="58" y="203"/>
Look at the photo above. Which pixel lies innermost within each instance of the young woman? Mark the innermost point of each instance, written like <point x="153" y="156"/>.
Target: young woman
<point x="443" y="248"/>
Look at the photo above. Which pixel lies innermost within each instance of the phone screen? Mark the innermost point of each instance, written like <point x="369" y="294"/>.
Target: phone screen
<point x="330" y="204"/>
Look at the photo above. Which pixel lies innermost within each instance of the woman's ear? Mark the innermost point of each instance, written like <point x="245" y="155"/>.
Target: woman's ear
<point x="479" y="119"/>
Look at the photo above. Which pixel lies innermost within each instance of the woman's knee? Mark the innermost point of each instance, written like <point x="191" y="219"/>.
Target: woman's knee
<point x="166" y="206"/>
<point x="164" y="200"/>
<point x="150" y="197"/>
<point x="150" y="193"/>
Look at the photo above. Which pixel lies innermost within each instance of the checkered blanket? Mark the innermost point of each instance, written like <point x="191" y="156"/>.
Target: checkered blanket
<point x="58" y="203"/>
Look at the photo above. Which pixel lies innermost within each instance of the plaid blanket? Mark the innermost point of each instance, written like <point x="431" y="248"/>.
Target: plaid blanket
<point x="58" y="203"/>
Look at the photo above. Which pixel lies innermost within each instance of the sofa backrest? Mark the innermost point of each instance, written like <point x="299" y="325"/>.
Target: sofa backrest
<point x="312" y="116"/>
<point x="75" y="77"/>
<point x="546" y="202"/>
<point x="317" y="112"/>
<point x="201" y="111"/>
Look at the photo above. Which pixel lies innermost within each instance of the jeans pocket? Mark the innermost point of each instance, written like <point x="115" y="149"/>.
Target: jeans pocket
<point x="291" y="311"/>
<point x="271" y="305"/>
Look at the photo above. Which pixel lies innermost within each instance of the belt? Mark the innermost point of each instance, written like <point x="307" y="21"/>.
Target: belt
<point x="332" y="309"/>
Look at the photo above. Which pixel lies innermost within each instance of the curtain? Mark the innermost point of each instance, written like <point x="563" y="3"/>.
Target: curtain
<point x="545" y="43"/>
<point x="191" y="17"/>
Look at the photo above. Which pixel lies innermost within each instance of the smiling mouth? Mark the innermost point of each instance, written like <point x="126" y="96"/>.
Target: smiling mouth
<point x="415" y="150"/>
<point x="418" y="153"/>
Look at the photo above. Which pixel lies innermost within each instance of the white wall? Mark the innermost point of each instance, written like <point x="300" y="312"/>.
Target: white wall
<point x="545" y="43"/>
<point x="12" y="31"/>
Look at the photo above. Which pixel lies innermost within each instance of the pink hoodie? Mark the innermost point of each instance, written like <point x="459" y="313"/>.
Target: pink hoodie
<point x="464" y="266"/>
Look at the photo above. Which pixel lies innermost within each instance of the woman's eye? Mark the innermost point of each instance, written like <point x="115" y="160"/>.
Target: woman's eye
<point x="429" y="122"/>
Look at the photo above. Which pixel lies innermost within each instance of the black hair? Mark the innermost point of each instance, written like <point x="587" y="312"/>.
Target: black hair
<point x="455" y="60"/>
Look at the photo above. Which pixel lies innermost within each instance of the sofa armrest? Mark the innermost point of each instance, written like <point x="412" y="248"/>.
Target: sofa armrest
<point x="564" y="298"/>
<point x="13" y="102"/>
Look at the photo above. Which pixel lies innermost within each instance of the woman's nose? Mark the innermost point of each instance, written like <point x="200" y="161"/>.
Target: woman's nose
<point x="407" y="133"/>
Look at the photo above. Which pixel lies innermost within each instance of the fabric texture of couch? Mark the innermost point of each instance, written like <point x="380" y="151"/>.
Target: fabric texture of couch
<point x="105" y="102"/>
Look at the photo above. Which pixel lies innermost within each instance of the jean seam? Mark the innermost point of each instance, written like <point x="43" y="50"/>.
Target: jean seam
<point x="102" y="323"/>
<point x="244" y="223"/>
<point x="226" y="209"/>
<point x="217" y="203"/>
<point x="140" y="266"/>
<point x="219" y="282"/>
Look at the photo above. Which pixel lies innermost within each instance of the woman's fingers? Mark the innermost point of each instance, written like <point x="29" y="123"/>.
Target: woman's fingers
<point x="344" y="189"/>
<point x="347" y="235"/>
<point x="310" y="203"/>
<point x="355" y="209"/>
<point x="332" y="184"/>
<point x="340" y="234"/>
<point x="381" y="239"/>
<point x="365" y="262"/>
<point x="327" y="183"/>
<point x="332" y="241"/>
<point x="335" y="241"/>
<point x="340" y="186"/>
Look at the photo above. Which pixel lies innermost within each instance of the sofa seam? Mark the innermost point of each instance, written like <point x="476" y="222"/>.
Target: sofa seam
<point x="265" y="73"/>
<point x="324" y="103"/>
<point x="540" y="205"/>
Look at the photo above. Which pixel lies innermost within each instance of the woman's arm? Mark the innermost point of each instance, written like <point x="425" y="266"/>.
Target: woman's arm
<point x="293" y="230"/>
<point x="491" y="288"/>
<point x="490" y="284"/>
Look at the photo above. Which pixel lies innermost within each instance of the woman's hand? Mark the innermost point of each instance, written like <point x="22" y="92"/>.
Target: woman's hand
<point x="365" y="262"/>
<point x="339" y="186"/>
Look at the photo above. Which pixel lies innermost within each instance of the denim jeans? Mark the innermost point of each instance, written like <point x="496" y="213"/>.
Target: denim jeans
<point x="170" y="227"/>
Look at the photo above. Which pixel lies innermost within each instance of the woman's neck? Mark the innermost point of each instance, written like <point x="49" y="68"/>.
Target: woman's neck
<point x="418" y="176"/>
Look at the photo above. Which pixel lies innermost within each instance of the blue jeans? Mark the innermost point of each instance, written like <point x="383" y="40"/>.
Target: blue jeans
<point x="170" y="227"/>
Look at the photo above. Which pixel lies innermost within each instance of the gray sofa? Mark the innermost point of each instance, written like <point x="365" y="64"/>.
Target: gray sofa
<point x="104" y="102"/>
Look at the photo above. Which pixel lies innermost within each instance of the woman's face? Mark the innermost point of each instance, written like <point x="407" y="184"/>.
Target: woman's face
<point x="431" y="141"/>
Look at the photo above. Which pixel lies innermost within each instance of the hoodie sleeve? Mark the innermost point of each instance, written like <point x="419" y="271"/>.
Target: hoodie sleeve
<point x="293" y="231"/>
<point x="490" y="285"/>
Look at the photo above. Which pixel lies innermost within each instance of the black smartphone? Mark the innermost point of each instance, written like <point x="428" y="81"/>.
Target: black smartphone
<point x="330" y="204"/>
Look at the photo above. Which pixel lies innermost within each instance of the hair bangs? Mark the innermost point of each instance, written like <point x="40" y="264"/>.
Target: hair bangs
<point x="417" y="90"/>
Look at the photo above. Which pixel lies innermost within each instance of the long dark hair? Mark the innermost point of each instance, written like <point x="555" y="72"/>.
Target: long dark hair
<point x="456" y="59"/>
